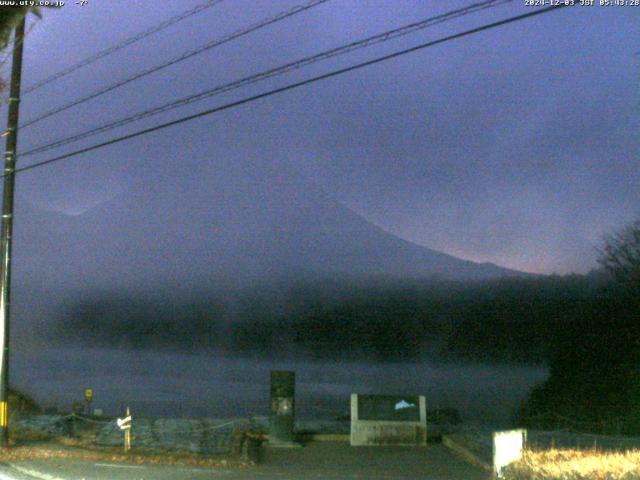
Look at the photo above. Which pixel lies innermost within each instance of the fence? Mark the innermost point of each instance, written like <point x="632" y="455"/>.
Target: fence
<point x="555" y="421"/>
<point x="566" y="439"/>
<point x="205" y="435"/>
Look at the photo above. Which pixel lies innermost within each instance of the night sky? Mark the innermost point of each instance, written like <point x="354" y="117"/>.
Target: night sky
<point x="517" y="146"/>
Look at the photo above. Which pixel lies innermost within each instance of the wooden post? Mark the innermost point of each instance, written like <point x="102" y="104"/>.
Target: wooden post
<point x="127" y="434"/>
<point x="7" y="229"/>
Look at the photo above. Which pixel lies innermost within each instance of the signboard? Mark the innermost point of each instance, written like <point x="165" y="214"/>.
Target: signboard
<point x="124" y="423"/>
<point x="507" y="448"/>
<point x="390" y="408"/>
<point x="388" y="420"/>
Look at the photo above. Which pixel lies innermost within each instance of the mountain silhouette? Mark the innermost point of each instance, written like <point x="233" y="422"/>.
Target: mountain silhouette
<point x="244" y="226"/>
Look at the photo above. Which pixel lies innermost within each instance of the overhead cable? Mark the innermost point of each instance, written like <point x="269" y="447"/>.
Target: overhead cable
<point x="366" y="42"/>
<point x="125" y="43"/>
<point x="292" y="86"/>
<point x="184" y="56"/>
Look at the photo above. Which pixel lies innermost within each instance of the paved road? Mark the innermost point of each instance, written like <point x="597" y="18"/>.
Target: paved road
<point x="322" y="460"/>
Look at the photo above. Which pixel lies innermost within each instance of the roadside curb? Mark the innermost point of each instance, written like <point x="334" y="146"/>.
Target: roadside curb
<point x="324" y="437"/>
<point x="464" y="452"/>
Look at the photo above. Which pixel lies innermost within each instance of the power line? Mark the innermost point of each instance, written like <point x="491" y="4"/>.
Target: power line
<point x="372" y="40"/>
<point x="292" y="86"/>
<point x="190" y="53"/>
<point x="125" y="43"/>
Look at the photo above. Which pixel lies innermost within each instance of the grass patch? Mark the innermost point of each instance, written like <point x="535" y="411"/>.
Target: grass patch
<point x="576" y="465"/>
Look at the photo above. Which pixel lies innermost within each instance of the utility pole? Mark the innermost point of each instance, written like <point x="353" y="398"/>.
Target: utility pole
<point x="7" y="228"/>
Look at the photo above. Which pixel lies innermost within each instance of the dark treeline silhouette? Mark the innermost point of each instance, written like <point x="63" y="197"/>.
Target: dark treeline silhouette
<point x="502" y="320"/>
<point x="497" y="321"/>
<point x="128" y="322"/>
<point x="594" y="367"/>
<point x="594" y="371"/>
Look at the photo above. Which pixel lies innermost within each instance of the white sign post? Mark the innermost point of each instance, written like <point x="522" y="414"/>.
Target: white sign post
<point x="125" y="425"/>
<point x="508" y="447"/>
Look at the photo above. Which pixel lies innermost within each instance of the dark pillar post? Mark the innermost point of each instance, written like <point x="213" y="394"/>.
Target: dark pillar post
<point x="282" y="421"/>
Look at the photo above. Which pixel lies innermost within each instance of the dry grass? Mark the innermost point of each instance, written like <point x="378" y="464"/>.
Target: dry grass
<point x="136" y="456"/>
<point x="30" y="445"/>
<point x="576" y="465"/>
<point x="27" y="436"/>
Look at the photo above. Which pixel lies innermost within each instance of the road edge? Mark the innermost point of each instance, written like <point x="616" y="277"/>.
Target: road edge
<point x="27" y="473"/>
<point x="464" y="452"/>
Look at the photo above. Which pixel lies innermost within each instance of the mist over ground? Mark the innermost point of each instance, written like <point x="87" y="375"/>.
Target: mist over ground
<point x="204" y="383"/>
